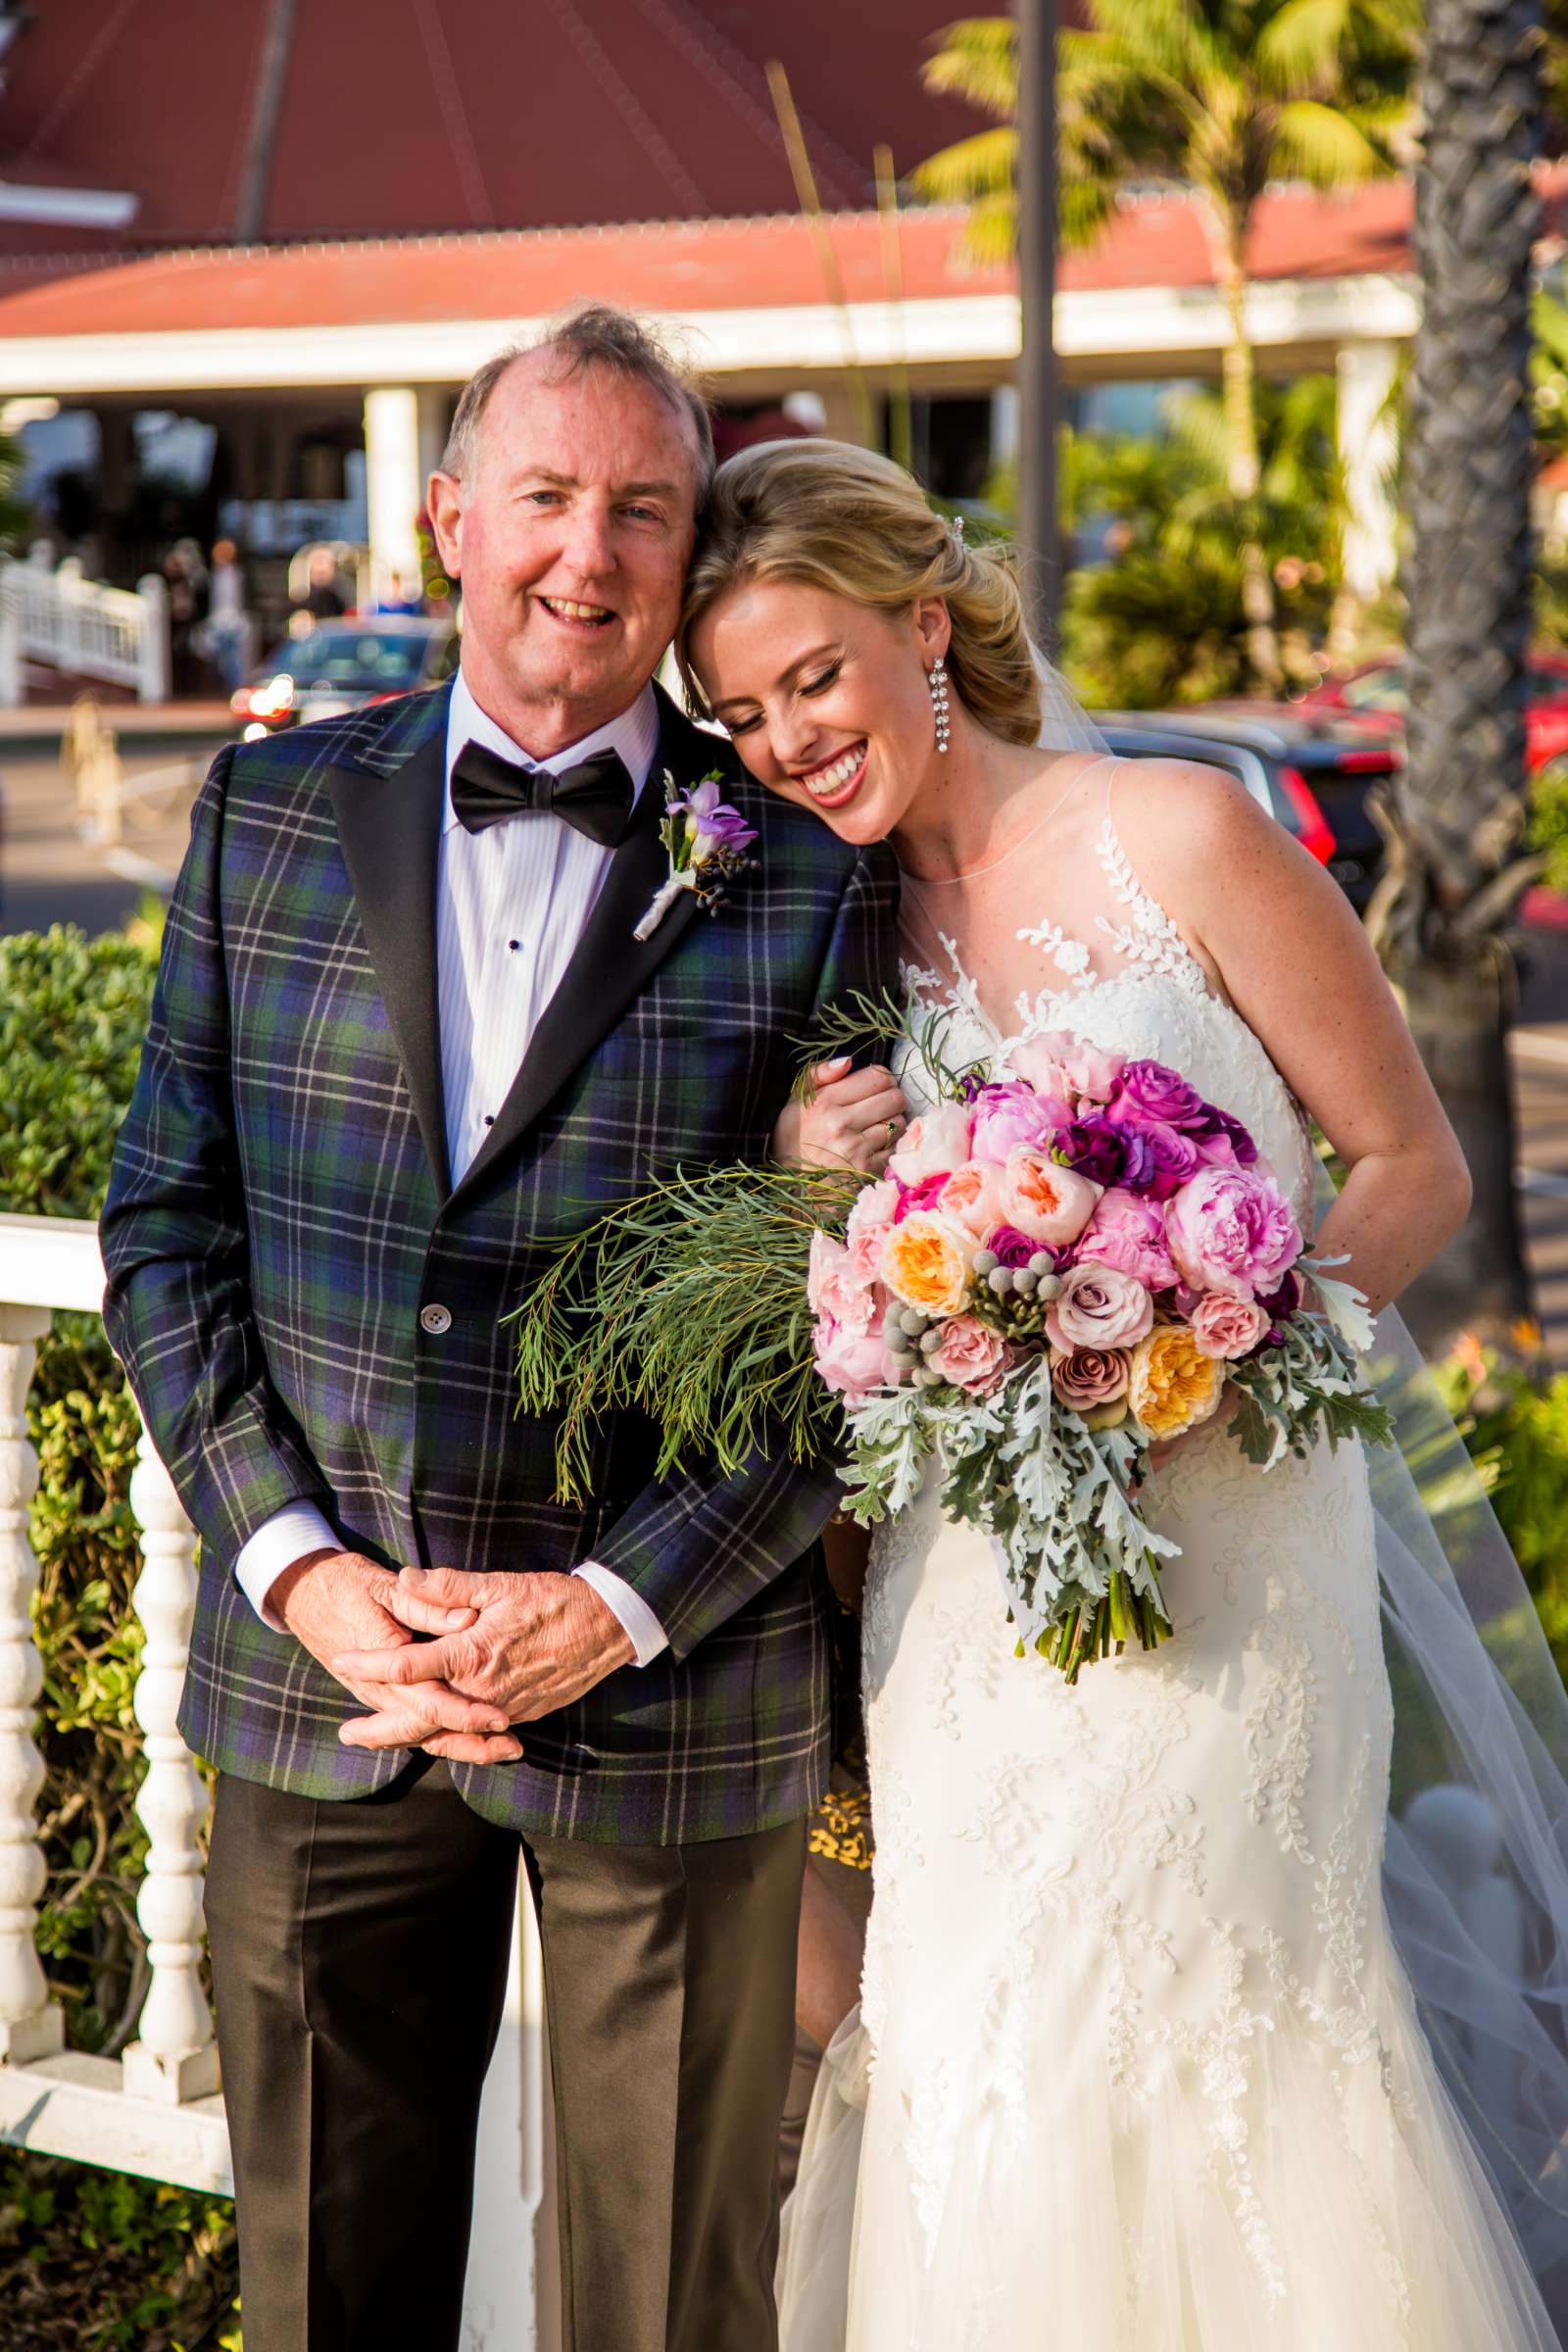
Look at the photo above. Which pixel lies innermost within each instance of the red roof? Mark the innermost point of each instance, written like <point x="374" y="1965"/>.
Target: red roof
<point x="670" y="265"/>
<point x="402" y="117"/>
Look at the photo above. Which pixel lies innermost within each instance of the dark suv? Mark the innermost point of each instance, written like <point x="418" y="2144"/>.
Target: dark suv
<point x="1312" y="773"/>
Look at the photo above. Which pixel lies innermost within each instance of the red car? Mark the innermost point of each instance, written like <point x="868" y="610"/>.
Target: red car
<point x="1379" y="694"/>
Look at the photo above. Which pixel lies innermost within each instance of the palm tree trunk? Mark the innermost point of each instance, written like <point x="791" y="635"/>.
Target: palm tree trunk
<point x="1239" y="396"/>
<point x="1459" y="813"/>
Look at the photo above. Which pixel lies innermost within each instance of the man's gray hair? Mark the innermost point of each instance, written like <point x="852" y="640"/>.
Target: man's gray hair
<point x="598" y="335"/>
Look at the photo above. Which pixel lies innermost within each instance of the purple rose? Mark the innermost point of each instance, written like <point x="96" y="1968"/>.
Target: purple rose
<point x="1172" y="1161"/>
<point x="924" y="1194"/>
<point x="1010" y="1248"/>
<point x="1099" y="1147"/>
<point x="1151" y="1094"/>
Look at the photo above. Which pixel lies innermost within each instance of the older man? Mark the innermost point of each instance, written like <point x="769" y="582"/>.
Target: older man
<point x="403" y="1040"/>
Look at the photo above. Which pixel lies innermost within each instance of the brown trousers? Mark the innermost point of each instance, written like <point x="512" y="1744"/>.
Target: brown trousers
<point x="360" y="1957"/>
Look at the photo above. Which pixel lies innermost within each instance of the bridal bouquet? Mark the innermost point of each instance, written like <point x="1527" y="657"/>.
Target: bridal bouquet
<point x="1058" y="1272"/>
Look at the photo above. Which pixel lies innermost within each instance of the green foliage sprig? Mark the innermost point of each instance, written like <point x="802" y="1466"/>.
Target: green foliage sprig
<point x="687" y="1303"/>
<point x="859" y="1023"/>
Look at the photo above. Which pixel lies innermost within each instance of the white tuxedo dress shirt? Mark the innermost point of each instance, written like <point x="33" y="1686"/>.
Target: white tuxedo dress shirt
<point x="510" y="906"/>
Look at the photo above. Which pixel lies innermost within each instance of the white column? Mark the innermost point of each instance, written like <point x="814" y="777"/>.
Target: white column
<point x="153" y="660"/>
<point x="435" y="404"/>
<point x="393" y="485"/>
<point x="1368" y="441"/>
<point x="842" y="421"/>
<point x="29" y="2026"/>
<point x="1006" y="416"/>
<point x="173" y="2057"/>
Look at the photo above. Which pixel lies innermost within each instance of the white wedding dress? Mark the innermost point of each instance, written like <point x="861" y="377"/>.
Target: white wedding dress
<point x="1137" y="2067"/>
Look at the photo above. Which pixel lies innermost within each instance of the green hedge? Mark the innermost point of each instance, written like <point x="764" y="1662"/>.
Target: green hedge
<point x="89" y="2259"/>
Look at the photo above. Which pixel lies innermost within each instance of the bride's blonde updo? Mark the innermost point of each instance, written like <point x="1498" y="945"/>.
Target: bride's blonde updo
<point x="826" y="514"/>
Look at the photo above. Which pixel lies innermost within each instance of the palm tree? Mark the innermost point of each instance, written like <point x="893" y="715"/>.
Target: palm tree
<point x="1216" y="96"/>
<point x="1457" y="821"/>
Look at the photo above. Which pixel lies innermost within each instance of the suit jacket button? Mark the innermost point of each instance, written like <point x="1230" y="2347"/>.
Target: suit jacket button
<point x="435" y="1319"/>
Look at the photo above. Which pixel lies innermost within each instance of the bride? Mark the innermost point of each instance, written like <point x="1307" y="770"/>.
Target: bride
<point x="1139" y="2060"/>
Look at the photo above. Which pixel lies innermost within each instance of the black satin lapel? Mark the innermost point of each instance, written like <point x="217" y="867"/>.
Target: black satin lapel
<point x="608" y="967"/>
<point x="390" y="828"/>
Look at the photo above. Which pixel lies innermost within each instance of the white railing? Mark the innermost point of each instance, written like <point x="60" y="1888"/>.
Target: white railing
<point x="158" y="2110"/>
<point x="82" y="629"/>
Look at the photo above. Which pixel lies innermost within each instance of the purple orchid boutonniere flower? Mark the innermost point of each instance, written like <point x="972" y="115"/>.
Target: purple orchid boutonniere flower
<point x="706" y="841"/>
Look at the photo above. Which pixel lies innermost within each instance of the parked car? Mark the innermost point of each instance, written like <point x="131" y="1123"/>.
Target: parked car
<point x="1312" y="772"/>
<point x="1378" y="695"/>
<point x="343" y="665"/>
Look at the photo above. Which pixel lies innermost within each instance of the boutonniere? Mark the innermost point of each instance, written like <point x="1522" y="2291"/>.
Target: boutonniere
<point x="706" y="841"/>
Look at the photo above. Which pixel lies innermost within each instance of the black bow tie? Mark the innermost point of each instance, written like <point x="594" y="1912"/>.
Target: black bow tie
<point x="595" y="796"/>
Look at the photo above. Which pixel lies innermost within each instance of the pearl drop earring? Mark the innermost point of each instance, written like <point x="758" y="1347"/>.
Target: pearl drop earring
<point x="938" y="682"/>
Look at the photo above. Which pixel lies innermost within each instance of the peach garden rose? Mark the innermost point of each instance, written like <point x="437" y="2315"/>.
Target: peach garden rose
<point x="925" y="1262"/>
<point x="1049" y="1204"/>
<point x="1173" y="1385"/>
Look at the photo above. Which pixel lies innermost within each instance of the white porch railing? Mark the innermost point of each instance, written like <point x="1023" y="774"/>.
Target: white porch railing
<point x="82" y="628"/>
<point x="158" y="2110"/>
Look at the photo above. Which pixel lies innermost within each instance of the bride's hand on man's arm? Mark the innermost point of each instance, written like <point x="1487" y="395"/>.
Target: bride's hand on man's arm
<point x="853" y="1121"/>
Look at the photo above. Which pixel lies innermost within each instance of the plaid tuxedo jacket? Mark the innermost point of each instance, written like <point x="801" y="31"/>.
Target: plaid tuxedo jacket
<point x="280" y="1211"/>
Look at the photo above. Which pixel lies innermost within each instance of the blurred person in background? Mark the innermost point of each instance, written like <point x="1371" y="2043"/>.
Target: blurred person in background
<point x="223" y="638"/>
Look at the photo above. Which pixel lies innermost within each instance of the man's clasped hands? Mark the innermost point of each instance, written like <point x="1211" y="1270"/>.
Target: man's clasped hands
<point x="446" y="1661"/>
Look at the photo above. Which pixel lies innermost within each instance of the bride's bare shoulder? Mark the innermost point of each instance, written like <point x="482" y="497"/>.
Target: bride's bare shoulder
<point x="1188" y="828"/>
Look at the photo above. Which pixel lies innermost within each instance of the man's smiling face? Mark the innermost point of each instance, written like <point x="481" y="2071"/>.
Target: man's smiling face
<point x="570" y="533"/>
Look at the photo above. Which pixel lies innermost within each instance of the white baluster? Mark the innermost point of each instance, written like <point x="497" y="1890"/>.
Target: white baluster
<point x="174" y="2057"/>
<point x="31" y="2027"/>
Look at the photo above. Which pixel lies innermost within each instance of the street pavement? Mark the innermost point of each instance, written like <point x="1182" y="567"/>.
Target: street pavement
<point x="49" y="873"/>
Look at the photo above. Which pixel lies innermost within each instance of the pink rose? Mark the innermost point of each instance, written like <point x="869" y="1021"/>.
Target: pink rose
<point x="1128" y="1229"/>
<point x="972" y="1198"/>
<point x="1227" y="1327"/>
<point x="834" y="1289"/>
<point x="874" y="1211"/>
<point x="1098" y="1306"/>
<point x="1089" y="1071"/>
<point x="1006" y="1115"/>
<point x="854" y="1363"/>
<point x="1048" y="1202"/>
<point x="970" y="1357"/>
<point x="1084" y="1377"/>
<point x="1231" y="1229"/>
<point x="933" y="1145"/>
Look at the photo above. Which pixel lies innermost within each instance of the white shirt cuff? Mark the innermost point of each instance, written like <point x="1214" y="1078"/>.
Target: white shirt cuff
<point x="637" y="1620"/>
<point x="289" y="1534"/>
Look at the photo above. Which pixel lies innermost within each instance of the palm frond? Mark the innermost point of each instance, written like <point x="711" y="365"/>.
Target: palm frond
<point x="977" y="59"/>
<point x="1083" y="208"/>
<point x="1173" y="38"/>
<point x="1323" y="145"/>
<point x="985" y="164"/>
<point x="1301" y="42"/>
<point x="990" y="238"/>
